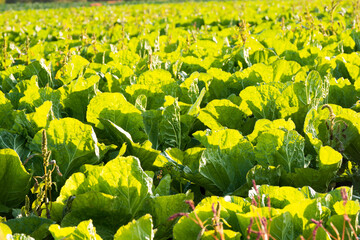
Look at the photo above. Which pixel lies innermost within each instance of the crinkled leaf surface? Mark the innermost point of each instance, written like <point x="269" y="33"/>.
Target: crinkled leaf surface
<point x="174" y="127"/>
<point x="186" y="164"/>
<point x="71" y="69"/>
<point x="154" y="95"/>
<point x="227" y="161"/>
<point x="151" y="120"/>
<point x="220" y="85"/>
<point x="281" y="147"/>
<point x="342" y="93"/>
<point x="222" y="113"/>
<point x="293" y="103"/>
<point x="261" y="100"/>
<point x="264" y="125"/>
<point x="118" y="77"/>
<point x="111" y="195"/>
<point x="114" y="107"/>
<point x="72" y="144"/>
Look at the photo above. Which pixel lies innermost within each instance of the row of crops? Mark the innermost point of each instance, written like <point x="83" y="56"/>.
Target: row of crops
<point x="209" y="120"/>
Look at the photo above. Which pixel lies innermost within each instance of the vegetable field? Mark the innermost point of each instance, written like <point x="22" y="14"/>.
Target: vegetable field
<point x="208" y="120"/>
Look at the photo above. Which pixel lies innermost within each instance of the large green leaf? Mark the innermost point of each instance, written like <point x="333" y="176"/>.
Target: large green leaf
<point x="170" y="126"/>
<point x="31" y="123"/>
<point x="72" y="144"/>
<point x="39" y="69"/>
<point x="5" y="231"/>
<point x="118" y="77"/>
<point x="155" y="77"/>
<point x="293" y="103"/>
<point x="6" y="112"/>
<point x="186" y="164"/>
<point x="227" y="158"/>
<point x="253" y="75"/>
<point x="153" y="84"/>
<point x="190" y="88"/>
<point x="223" y="138"/>
<point x="350" y="207"/>
<point x="281" y="147"/>
<point x="321" y="234"/>
<point x="261" y="100"/>
<point x="221" y="84"/>
<point x="152" y="120"/>
<point x="71" y="69"/>
<point x="154" y="95"/>
<point x="263" y="125"/>
<point x="133" y="183"/>
<point x="18" y="91"/>
<point x="285" y="226"/>
<point x="85" y="230"/>
<point x="114" y="107"/>
<point x="329" y="162"/>
<point x="337" y="222"/>
<point x="137" y="230"/>
<point x="110" y="195"/>
<point x="34" y="226"/>
<point x="174" y="128"/>
<point x="253" y="217"/>
<point x="342" y="93"/>
<point x="77" y="95"/>
<point x="14" y="179"/>
<point x="222" y="113"/>
<point x="148" y="156"/>
<point x="15" y="142"/>
<point x="186" y="228"/>
<point x="34" y="97"/>
<point x="105" y="210"/>
<point x="307" y="210"/>
<point x="11" y="76"/>
<point x="279" y="196"/>
<point x="264" y="175"/>
<point x="285" y="70"/>
<point x="340" y="131"/>
<point x="232" y="204"/>
<point x="227" y="169"/>
<point x="163" y="207"/>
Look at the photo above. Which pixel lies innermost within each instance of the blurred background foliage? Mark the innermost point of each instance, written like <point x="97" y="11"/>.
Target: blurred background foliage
<point x="44" y="4"/>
